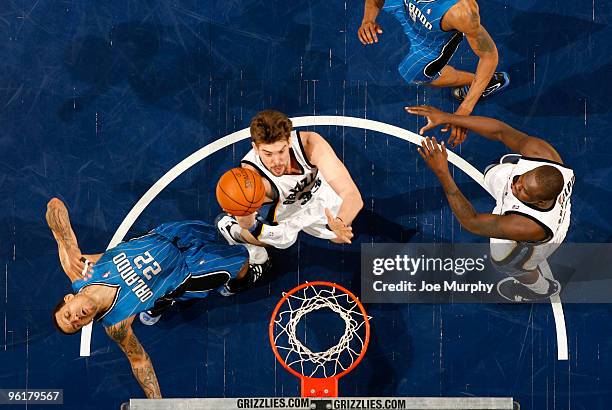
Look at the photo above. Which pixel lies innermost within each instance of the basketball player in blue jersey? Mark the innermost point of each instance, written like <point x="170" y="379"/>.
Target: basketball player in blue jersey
<point x="307" y="187"/>
<point x="174" y="262"/>
<point x="435" y="28"/>
<point x="532" y="189"/>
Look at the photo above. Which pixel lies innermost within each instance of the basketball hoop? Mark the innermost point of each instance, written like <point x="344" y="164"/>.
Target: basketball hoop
<point x="319" y="371"/>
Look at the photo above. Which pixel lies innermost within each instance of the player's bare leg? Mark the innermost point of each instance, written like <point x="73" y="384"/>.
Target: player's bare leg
<point x="451" y="77"/>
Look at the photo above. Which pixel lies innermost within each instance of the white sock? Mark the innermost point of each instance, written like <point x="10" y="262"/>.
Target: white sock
<point x="540" y="286"/>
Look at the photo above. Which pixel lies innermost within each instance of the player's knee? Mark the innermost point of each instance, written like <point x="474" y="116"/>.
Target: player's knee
<point x="445" y="76"/>
<point x="448" y="70"/>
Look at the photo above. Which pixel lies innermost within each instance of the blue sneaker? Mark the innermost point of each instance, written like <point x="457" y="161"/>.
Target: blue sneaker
<point x="499" y="81"/>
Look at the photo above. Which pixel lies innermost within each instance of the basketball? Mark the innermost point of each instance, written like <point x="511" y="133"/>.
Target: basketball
<point x="240" y="191"/>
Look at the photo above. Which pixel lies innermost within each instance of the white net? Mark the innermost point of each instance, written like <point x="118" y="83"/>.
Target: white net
<point x="301" y="358"/>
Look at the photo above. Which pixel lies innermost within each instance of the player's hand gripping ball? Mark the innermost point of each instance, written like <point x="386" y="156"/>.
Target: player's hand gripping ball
<point x="240" y="191"/>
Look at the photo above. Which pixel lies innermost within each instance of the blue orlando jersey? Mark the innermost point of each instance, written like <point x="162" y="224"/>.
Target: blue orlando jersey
<point x="143" y="270"/>
<point x="149" y="267"/>
<point x="421" y="21"/>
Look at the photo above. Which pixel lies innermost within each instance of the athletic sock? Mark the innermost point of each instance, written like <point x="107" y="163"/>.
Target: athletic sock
<point x="540" y="286"/>
<point x="257" y="254"/>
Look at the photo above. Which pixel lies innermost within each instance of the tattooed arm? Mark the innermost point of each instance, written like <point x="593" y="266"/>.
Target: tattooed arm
<point x="465" y="17"/>
<point x="142" y="367"/>
<point x="67" y="245"/>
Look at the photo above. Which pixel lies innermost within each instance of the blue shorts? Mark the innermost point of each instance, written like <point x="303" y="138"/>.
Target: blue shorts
<point x="423" y="64"/>
<point x="209" y="257"/>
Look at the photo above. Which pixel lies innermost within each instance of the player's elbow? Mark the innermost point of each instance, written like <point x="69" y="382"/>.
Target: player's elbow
<point x="489" y="57"/>
<point x="493" y="56"/>
<point x="354" y="200"/>
<point x="471" y="229"/>
<point x="54" y="202"/>
<point x="352" y="197"/>
<point x="472" y="226"/>
<point x="475" y="231"/>
<point x="504" y="133"/>
<point x="358" y="201"/>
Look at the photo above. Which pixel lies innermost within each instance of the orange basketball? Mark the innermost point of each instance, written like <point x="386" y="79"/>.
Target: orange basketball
<point x="240" y="191"/>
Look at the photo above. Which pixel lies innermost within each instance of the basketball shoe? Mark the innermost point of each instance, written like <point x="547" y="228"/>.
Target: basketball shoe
<point x="499" y="81"/>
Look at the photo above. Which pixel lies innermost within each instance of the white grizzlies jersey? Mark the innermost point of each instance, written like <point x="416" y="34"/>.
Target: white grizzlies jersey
<point x="294" y="192"/>
<point x="300" y="201"/>
<point x="555" y="220"/>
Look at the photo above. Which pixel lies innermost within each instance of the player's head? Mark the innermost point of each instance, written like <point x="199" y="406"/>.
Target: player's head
<point x="73" y="312"/>
<point x="270" y="132"/>
<point x="538" y="186"/>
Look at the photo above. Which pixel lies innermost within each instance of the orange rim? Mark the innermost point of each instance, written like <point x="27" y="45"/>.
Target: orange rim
<point x="366" y="340"/>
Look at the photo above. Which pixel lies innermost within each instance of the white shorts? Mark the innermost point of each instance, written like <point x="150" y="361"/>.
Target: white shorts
<point x="518" y="258"/>
<point x="311" y="220"/>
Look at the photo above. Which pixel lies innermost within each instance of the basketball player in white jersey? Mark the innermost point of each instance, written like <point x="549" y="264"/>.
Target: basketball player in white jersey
<point x="532" y="191"/>
<point x="307" y="187"/>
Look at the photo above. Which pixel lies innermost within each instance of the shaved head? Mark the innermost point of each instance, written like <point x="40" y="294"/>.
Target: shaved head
<point x="550" y="182"/>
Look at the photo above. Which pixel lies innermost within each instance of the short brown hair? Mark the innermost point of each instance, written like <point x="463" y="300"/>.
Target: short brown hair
<point x="270" y="126"/>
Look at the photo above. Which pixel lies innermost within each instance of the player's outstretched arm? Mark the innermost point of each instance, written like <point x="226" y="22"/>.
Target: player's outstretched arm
<point x="142" y="367"/>
<point x="71" y="259"/>
<point x="322" y="155"/>
<point x="512" y="227"/>
<point x="369" y="29"/>
<point x="465" y="17"/>
<point x="247" y="223"/>
<point x="491" y="226"/>
<point x="489" y="128"/>
<point x="248" y="237"/>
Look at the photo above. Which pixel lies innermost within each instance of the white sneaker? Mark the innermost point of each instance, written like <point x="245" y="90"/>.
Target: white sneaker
<point x="147" y="319"/>
<point x="229" y="228"/>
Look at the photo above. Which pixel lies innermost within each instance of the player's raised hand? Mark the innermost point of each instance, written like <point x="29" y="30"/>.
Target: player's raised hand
<point x="73" y="262"/>
<point x="344" y="233"/>
<point x="368" y="32"/>
<point x="435" y="155"/>
<point x="435" y="117"/>
<point x="457" y="136"/>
